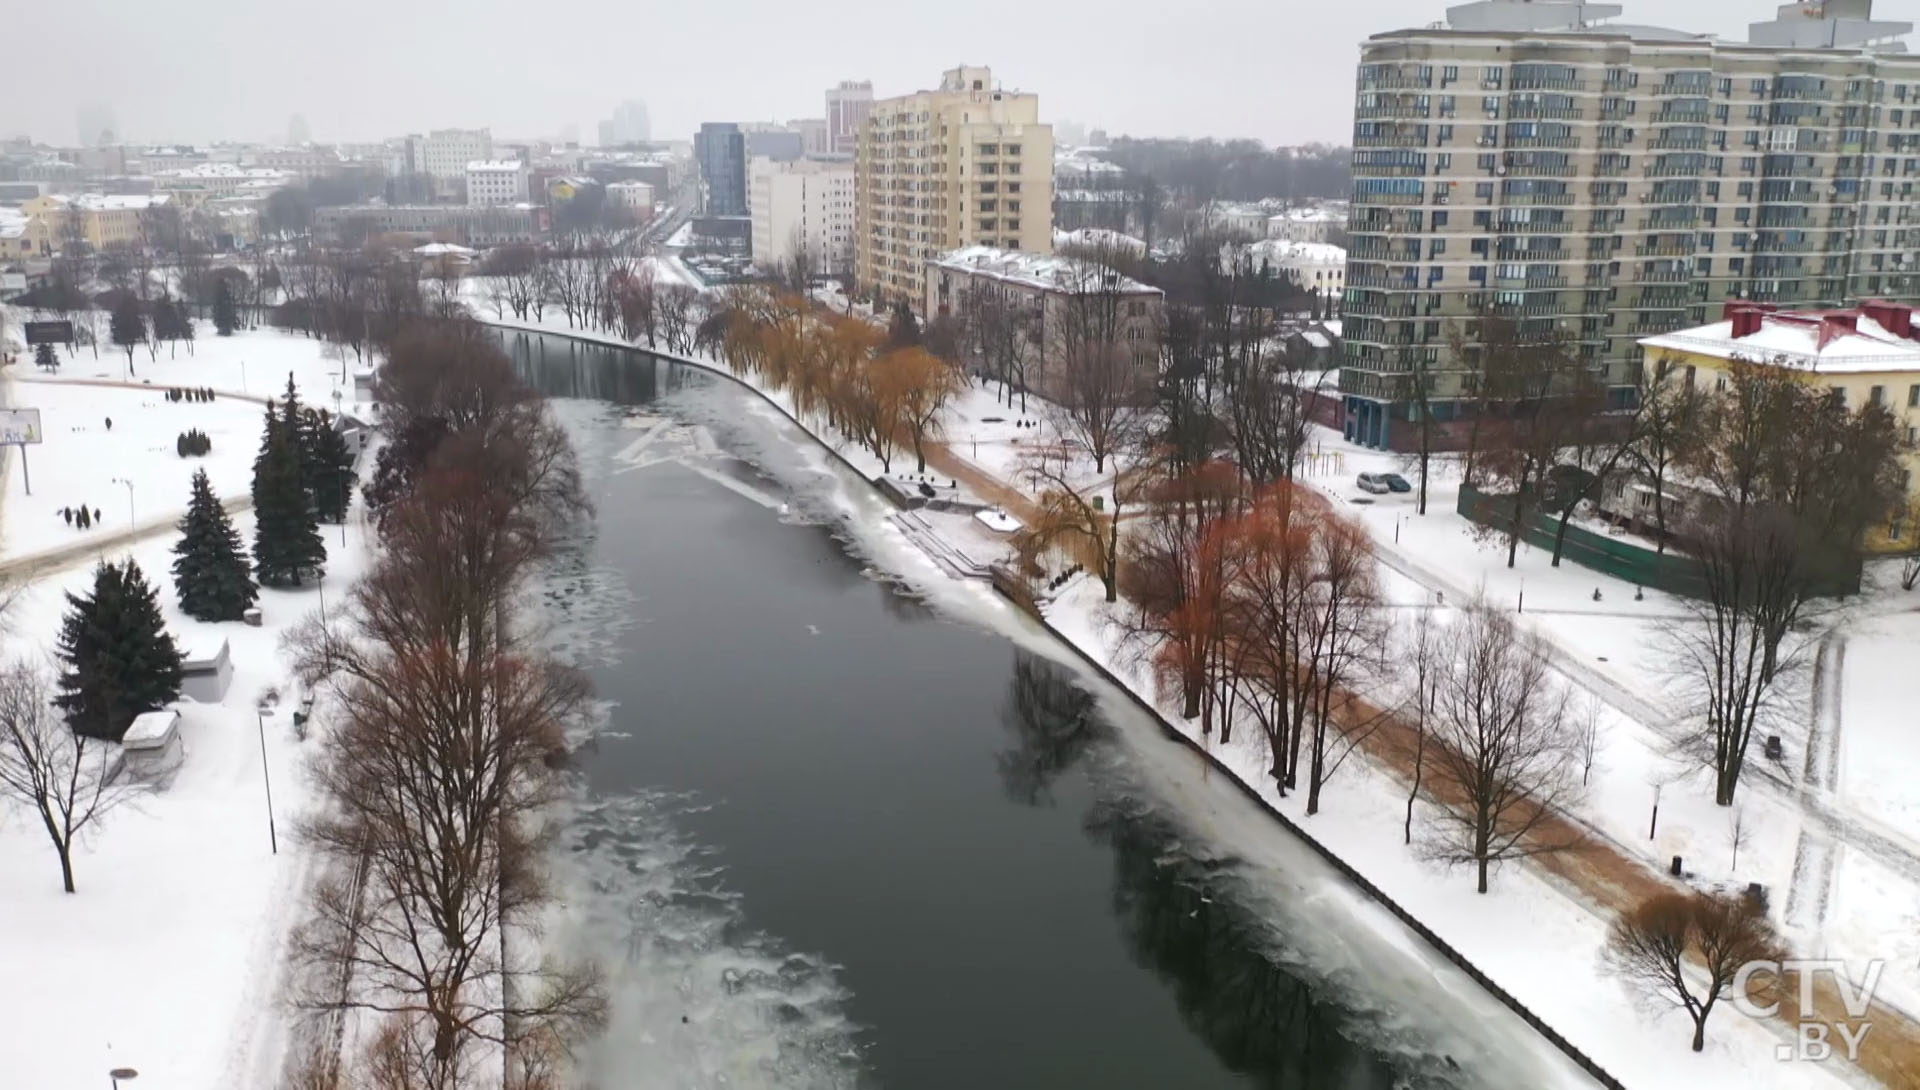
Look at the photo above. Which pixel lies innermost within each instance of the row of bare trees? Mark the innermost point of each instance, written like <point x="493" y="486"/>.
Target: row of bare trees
<point x="450" y="727"/>
<point x="888" y="398"/>
<point x="597" y="286"/>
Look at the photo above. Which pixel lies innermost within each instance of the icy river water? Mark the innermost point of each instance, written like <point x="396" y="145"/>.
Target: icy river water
<point x="839" y="828"/>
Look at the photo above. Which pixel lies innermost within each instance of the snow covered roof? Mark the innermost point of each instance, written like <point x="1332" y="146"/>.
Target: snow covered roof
<point x="111" y="202"/>
<point x="150" y="729"/>
<point x="212" y="171"/>
<point x="1044" y="271"/>
<point x="1334" y="326"/>
<point x="1825" y="341"/>
<point x="1317" y="339"/>
<point x="1282" y="252"/>
<point x="1316" y="214"/>
<point x="502" y="165"/>
<point x="1099" y="237"/>
<point x="442" y="249"/>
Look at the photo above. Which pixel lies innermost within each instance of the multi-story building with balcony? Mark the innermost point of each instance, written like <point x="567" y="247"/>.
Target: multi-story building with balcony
<point x="964" y="165"/>
<point x="1600" y="182"/>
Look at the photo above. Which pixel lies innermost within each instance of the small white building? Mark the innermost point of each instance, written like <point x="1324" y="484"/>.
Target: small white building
<point x="151" y="749"/>
<point x="496" y="181"/>
<point x="206" y="671"/>
<point x="637" y="197"/>
<point x="1317" y="266"/>
<point x="1307" y="224"/>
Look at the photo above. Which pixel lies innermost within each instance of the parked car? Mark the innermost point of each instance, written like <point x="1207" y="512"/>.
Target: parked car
<point x="1375" y="483"/>
<point x="1395" y="482"/>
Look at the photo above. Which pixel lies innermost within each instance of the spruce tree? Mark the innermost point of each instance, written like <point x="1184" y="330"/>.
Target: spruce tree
<point x="209" y="568"/>
<point x="119" y="660"/>
<point x="225" y="318"/>
<point x="286" y="539"/>
<point x="298" y="422"/>
<point x="334" y="474"/>
<point x="43" y="355"/>
<point x="128" y="326"/>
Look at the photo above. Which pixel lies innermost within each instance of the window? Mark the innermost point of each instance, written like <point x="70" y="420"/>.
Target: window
<point x="1490" y="105"/>
<point x="1839" y="395"/>
<point x="1877" y="396"/>
<point x="988" y="206"/>
<point x="1013" y="149"/>
<point x="989" y="187"/>
<point x="1013" y="225"/>
<point x="1483" y="190"/>
<point x="1440" y="220"/>
<point x="1450" y="73"/>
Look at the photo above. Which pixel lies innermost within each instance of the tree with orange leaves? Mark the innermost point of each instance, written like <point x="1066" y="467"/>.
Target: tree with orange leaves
<point x="927" y="384"/>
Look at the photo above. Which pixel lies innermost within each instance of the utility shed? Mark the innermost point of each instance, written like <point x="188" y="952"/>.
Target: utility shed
<point x="206" y="670"/>
<point x="151" y="749"/>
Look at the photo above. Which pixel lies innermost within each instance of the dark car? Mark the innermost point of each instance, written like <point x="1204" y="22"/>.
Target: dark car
<point x="1395" y="482"/>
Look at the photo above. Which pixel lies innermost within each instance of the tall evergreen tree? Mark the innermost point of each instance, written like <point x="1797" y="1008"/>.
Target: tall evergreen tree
<point x="119" y="659"/>
<point x="334" y="474"/>
<point x="128" y="326"/>
<point x="286" y="539"/>
<point x="43" y="355"/>
<point x="225" y="318"/>
<point x="210" y="568"/>
<point x="298" y="422"/>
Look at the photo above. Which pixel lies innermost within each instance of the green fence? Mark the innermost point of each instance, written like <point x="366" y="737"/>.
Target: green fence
<point x="1674" y="573"/>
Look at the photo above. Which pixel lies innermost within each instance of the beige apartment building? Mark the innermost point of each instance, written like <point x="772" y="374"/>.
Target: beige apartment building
<point x="964" y="165"/>
<point x="1604" y="181"/>
<point x="106" y="222"/>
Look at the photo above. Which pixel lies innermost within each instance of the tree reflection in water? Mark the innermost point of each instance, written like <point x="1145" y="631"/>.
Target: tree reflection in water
<point x="1180" y="916"/>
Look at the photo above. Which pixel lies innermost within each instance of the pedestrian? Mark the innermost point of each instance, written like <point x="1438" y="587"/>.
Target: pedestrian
<point x="67" y="513"/>
<point x="109" y="423"/>
<point x="84" y="521"/>
<point x="96" y="514"/>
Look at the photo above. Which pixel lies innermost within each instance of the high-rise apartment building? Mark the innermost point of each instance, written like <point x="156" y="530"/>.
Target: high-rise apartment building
<point x="847" y="109"/>
<point x="720" y="150"/>
<point x="1601" y="182"/>
<point x="966" y="164"/>
<point x="628" y="125"/>
<point x="805" y="203"/>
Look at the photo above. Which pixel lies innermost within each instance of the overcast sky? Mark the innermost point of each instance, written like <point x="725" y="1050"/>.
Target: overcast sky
<point x="195" y="70"/>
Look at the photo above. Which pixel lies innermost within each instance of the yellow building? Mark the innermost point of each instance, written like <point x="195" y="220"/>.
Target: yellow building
<point x="1864" y="355"/>
<point x="968" y="164"/>
<point x="107" y="221"/>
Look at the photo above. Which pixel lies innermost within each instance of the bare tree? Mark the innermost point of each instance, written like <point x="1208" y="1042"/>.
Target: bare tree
<point x="1500" y="746"/>
<point x="61" y="777"/>
<point x="1425" y="652"/>
<point x="1688" y="950"/>
<point x="1073" y="514"/>
<point x="1668" y="436"/>
<point x="1586" y="735"/>
<point x="1102" y="385"/>
<point x="1343" y="634"/>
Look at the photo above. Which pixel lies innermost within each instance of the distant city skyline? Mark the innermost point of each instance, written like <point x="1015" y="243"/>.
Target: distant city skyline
<point x="1222" y="68"/>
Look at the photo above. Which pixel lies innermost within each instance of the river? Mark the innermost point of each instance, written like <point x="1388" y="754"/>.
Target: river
<point x="838" y="828"/>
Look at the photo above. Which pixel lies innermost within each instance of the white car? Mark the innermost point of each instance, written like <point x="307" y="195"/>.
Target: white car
<point x="1376" y="483"/>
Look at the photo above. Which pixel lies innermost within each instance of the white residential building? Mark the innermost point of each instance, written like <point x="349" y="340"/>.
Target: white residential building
<point x="221" y="179"/>
<point x="496" y="181"/>
<point x="805" y="202"/>
<point x="634" y="196"/>
<point x="1307" y="224"/>
<point x="443" y="154"/>
<point x="1316" y="266"/>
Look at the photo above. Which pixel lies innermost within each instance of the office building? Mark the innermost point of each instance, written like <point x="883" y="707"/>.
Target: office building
<point x="847" y="109"/>
<point x="767" y="141"/>
<point x="804" y="204"/>
<point x="94" y="124"/>
<point x="720" y="151"/>
<point x="496" y="181"/>
<point x="1600" y="182"/>
<point x="967" y="164"/>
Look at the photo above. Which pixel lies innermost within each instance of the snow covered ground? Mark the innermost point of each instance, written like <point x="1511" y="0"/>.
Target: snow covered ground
<point x="82" y="462"/>
<point x="169" y="958"/>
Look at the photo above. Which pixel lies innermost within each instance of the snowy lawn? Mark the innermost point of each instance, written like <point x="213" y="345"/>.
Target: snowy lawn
<point x="81" y="461"/>
<point x="170" y="957"/>
<point x="1880" y="750"/>
<point x="252" y="362"/>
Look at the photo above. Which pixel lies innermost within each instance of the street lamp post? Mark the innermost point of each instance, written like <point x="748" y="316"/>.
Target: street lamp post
<point x="129" y="484"/>
<point x="260" y="720"/>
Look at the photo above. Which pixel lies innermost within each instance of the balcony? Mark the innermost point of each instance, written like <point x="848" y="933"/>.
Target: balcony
<point x="1680" y="117"/>
<point x="1673" y="170"/>
<point x="1548" y="83"/>
<point x="1531" y="227"/>
<point x="1678" y="143"/>
<point x="1663" y="249"/>
<point x="1538" y="281"/>
<point x="1533" y="310"/>
<point x="1695" y="88"/>
<point x="1543" y="141"/>
<point x="1665" y="276"/>
<point x="1535" y="255"/>
<point x="1530" y="170"/>
<point x="1671" y="196"/>
<point x="1397" y="140"/>
<point x="1536" y="198"/>
<point x="1531" y="111"/>
<point x="1391" y="80"/>
<point x="1372" y="113"/>
<point x="1389" y="198"/>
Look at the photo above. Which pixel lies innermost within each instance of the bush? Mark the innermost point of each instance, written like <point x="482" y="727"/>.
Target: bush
<point x="193" y="443"/>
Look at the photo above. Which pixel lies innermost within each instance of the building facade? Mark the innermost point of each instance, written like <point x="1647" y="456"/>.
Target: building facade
<point x="806" y="204"/>
<point x="468" y="225"/>
<point x="720" y="150"/>
<point x="1599" y="182"/>
<point x="628" y="125"/>
<point x="104" y="222"/>
<point x="636" y="197"/>
<point x="1044" y="288"/>
<point x="847" y="108"/>
<point x="967" y="164"/>
<point x="496" y="181"/>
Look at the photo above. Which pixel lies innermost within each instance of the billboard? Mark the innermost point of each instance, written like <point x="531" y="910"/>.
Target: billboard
<point x="19" y="425"/>
<point x="49" y="332"/>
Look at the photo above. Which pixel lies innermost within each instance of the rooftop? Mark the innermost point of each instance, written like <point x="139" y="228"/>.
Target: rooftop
<point x="513" y="165"/>
<point x="1874" y="336"/>
<point x="1047" y="272"/>
<point x="1282" y="252"/>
